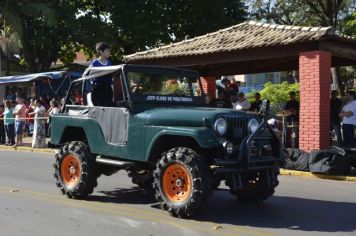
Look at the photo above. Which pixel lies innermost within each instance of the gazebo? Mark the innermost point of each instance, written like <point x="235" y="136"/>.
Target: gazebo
<point x="252" y="47"/>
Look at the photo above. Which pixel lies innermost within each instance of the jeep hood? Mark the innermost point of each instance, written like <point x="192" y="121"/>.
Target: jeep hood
<point x="186" y="116"/>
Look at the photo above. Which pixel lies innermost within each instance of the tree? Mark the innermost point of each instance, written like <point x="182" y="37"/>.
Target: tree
<point x="48" y="30"/>
<point x="139" y="25"/>
<point x="308" y="13"/>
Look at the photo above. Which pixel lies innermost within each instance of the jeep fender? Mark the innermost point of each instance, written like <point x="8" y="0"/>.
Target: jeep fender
<point x="90" y="127"/>
<point x="203" y="137"/>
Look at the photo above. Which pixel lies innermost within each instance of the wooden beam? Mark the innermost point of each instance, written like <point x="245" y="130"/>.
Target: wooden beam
<point x="248" y="67"/>
<point x="340" y="49"/>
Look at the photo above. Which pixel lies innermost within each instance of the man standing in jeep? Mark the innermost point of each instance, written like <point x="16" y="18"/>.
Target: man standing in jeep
<point x="102" y="88"/>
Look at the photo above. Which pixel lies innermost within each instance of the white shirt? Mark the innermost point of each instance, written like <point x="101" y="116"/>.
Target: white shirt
<point x="244" y="105"/>
<point x="55" y="110"/>
<point x="350" y="107"/>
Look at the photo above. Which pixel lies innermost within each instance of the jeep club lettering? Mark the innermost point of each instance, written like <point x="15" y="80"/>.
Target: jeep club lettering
<point x="169" y="99"/>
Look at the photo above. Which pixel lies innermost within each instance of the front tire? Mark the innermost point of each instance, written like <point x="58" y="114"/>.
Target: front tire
<point x="182" y="182"/>
<point x="255" y="189"/>
<point x="74" y="170"/>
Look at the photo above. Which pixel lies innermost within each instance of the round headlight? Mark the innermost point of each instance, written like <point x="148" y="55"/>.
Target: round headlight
<point x="220" y="126"/>
<point x="253" y="125"/>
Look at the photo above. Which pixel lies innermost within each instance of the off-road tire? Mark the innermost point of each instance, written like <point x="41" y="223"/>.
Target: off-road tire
<point x="257" y="192"/>
<point x="85" y="179"/>
<point x="199" y="180"/>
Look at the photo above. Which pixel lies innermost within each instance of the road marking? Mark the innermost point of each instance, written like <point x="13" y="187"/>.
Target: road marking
<point x="134" y="213"/>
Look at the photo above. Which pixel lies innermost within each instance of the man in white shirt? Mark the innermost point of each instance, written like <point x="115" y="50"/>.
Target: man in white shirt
<point x="348" y="115"/>
<point x="242" y="103"/>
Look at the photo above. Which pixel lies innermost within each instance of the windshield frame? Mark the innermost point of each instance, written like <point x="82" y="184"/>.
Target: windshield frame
<point x="164" y="99"/>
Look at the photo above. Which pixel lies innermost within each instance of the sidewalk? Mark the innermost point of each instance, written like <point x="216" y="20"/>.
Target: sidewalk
<point x="26" y="147"/>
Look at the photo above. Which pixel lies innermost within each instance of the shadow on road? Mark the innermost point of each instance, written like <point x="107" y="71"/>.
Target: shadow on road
<point x="124" y="195"/>
<point x="282" y="212"/>
<point x="279" y="212"/>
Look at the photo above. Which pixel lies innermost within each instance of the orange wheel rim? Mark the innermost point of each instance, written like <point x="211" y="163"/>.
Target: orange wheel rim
<point x="70" y="170"/>
<point x="176" y="183"/>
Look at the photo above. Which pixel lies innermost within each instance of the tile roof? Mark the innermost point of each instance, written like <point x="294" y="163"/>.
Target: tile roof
<point x="242" y="36"/>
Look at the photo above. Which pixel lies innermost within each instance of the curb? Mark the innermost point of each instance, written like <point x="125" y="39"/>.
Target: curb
<point x="27" y="149"/>
<point x="319" y="176"/>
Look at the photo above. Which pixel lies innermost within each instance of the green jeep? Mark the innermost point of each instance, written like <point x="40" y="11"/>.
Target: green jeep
<point x="158" y="128"/>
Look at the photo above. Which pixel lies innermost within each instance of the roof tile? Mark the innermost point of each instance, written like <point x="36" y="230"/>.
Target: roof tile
<point x="242" y="36"/>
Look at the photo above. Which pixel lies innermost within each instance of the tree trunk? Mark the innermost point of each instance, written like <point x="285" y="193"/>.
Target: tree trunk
<point x="337" y="81"/>
<point x="7" y="65"/>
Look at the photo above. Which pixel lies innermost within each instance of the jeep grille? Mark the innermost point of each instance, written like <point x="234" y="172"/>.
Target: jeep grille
<point x="237" y="129"/>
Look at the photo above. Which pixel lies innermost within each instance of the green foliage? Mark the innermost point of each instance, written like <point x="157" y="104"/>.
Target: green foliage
<point x="277" y="94"/>
<point x="349" y="25"/>
<point x="50" y="30"/>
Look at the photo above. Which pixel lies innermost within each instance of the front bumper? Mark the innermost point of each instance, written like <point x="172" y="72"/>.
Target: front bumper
<point x="259" y="152"/>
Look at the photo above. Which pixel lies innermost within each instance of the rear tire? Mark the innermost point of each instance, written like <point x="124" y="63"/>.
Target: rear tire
<point x="182" y="182"/>
<point x="74" y="170"/>
<point x="143" y="179"/>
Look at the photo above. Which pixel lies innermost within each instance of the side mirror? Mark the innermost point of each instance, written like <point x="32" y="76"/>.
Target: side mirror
<point x="264" y="110"/>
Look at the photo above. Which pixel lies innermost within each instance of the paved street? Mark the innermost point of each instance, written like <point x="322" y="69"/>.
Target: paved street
<point x="30" y="204"/>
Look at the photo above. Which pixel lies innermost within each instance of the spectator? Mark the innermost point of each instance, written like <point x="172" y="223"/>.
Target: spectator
<point x="293" y="106"/>
<point x="234" y="86"/>
<point x="256" y="105"/>
<point x="335" y="109"/>
<point x="222" y="101"/>
<point x="2" y="127"/>
<point x="229" y="92"/>
<point x="63" y="101"/>
<point x="241" y="103"/>
<point x="20" y="117"/>
<point x="348" y="115"/>
<point x="52" y="111"/>
<point x="44" y="102"/>
<point x="9" y="123"/>
<point x="39" y="132"/>
<point x="30" y="109"/>
<point x="77" y="96"/>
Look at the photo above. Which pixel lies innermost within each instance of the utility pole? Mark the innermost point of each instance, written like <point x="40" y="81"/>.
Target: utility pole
<point x="7" y="62"/>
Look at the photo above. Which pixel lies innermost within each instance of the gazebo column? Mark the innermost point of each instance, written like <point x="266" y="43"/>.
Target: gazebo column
<point x="209" y="85"/>
<point x="314" y="121"/>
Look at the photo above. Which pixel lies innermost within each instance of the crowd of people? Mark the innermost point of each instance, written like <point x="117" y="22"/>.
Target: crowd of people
<point x="343" y="112"/>
<point x="20" y="116"/>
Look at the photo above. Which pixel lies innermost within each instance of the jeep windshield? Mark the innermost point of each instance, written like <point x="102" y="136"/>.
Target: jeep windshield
<point x="164" y="85"/>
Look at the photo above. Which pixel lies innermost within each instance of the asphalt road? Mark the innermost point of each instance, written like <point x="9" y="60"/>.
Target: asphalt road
<point x="30" y="204"/>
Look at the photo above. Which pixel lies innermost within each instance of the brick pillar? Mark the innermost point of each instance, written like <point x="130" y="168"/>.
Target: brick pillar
<point x="209" y="85"/>
<point x="314" y="78"/>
